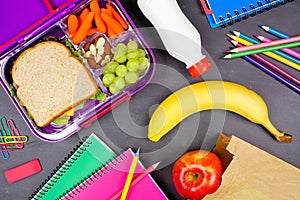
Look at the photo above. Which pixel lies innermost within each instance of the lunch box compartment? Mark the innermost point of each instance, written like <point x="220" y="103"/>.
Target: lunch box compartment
<point x="93" y="109"/>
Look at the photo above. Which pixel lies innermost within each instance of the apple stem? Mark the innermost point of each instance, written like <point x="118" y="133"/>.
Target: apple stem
<point x="193" y="176"/>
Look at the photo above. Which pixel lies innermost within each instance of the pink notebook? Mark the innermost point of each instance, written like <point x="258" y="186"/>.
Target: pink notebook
<point x="111" y="179"/>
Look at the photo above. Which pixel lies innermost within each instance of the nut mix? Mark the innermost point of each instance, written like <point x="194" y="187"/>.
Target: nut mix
<point x="97" y="53"/>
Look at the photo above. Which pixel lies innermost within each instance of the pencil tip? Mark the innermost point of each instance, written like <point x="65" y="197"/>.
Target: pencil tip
<point x="230" y="40"/>
<point x="234" y="50"/>
<point x="231" y="36"/>
<point x="265" y="27"/>
<point x="137" y="153"/>
<point x="237" y="33"/>
<point x="235" y="43"/>
<point x="155" y="165"/>
<point x="228" y="56"/>
<point x="261" y="37"/>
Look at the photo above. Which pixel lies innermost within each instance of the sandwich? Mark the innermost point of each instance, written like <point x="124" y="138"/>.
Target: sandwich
<point x="50" y="81"/>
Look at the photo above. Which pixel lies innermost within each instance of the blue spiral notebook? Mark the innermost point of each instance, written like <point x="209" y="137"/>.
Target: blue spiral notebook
<point x="222" y="13"/>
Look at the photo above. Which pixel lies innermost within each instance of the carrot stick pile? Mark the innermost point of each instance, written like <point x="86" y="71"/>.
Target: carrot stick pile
<point x="95" y="19"/>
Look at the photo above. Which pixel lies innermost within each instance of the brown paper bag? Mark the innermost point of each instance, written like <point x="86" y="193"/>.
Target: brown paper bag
<point x="253" y="174"/>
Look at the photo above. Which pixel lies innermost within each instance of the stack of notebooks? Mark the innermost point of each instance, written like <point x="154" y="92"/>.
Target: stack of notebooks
<point x="222" y="13"/>
<point x="93" y="171"/>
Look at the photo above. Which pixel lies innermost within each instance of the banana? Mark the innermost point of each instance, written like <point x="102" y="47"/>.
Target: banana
<point x="211" y="95"/>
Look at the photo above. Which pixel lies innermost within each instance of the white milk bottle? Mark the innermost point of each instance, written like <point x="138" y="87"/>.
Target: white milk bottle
<point x="180" y="38"/>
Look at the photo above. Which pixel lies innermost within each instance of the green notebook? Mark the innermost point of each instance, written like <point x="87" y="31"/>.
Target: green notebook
<point x="87" y="159"/>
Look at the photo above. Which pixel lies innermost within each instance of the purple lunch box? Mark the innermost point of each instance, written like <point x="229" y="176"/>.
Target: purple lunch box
<point x="24" y="23"/>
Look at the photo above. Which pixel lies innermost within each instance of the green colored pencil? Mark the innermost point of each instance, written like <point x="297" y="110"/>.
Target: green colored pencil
<point x="257" y="51"/>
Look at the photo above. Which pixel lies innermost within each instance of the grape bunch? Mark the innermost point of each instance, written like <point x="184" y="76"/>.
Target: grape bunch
<point x="128" y="64"/>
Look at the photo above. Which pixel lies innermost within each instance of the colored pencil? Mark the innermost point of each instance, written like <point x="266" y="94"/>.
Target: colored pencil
<point x="256" y="51"/>
<point x="272" y="73"/>
<point x="274" y="32"/>
<point x="288" y="51"/>
<point x="254" y="41"/>
<point x="245" y="37"/>
<point x="137" y="179"/>
<point x="270" y="54"/>
<point x="268" y="44"/>
<point x="130" y="175"/>
<point x="271" y="66"/>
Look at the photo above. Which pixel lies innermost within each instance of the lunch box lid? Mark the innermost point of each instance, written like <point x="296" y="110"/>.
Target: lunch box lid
<point x="21" y="19"/>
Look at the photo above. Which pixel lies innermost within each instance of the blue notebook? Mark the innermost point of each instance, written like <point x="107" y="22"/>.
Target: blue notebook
<point x="222" y="13"/>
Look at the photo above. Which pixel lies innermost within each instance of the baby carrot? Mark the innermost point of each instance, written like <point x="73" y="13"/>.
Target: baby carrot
<point x="98" y="21"/>
<point x="108" y="11"/>
<point x="111" y="23"/>
<point x="72" y="23"/>
<point x="83" y="29"/>
<point x="83" y="15"/>
<point x="117" y="16"/>
<point x="94" y="6"/>
<point x="92" y="31"/>
<point x="111" y="34"/>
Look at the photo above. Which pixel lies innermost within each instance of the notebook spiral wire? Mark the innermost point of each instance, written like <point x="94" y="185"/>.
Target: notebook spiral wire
<point x="97" y="174"/>
<point x="61" y="168"/>
<point x="258" y="8"/>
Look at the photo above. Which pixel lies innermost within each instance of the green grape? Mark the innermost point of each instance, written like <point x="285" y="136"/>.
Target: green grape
<point x="120" y="58"/>
<point x="134" y="54"/>
<point x="142" y="53"/>
<point x="113" y="88"/>
<point x="120" y="53"/>
<point x="131" y="77"/>
<point x="110" y="67"/>
<point x="108" y="79"/>
<point x="121" y="48"/>
<point x="143" y="63"/>
<point x="132" y="65"/>
<point x="119" y="82"/>
<point x="132" y="45"/>
<point x="121" y="70"/>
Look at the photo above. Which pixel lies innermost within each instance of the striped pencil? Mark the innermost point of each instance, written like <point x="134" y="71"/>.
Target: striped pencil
<point x="268" y="44"/>
<point x="271" y="65"/>
<point x="254" y="41"/>
<point x="283" y="80"/>
<point x="274" y="32"/>
<point x="246" y="41"/>
<point x="288" y="51"/>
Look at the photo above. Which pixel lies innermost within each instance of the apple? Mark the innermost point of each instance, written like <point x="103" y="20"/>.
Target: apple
<point x="197" y="173"/>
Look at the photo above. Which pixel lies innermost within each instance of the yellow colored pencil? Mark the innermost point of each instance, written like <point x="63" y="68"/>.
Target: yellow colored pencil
<point x="130" y="175"/>
<point x="268" y="53"/>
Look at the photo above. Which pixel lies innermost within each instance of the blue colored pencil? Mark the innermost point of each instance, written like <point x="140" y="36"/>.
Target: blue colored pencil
<point x="274" y="32"/>
<point x="254" y="41"/>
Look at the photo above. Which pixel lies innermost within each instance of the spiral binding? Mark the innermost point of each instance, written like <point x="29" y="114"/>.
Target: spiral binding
<point x="257" y="9"/>
<point x="61" y="169"/>
<point x="97" y="174"/>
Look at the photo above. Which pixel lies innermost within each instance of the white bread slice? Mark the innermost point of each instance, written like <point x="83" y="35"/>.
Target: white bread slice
<point x="51" y="81"/>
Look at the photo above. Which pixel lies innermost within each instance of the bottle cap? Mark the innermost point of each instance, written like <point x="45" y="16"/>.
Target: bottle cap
<point x="199" y="68"/>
